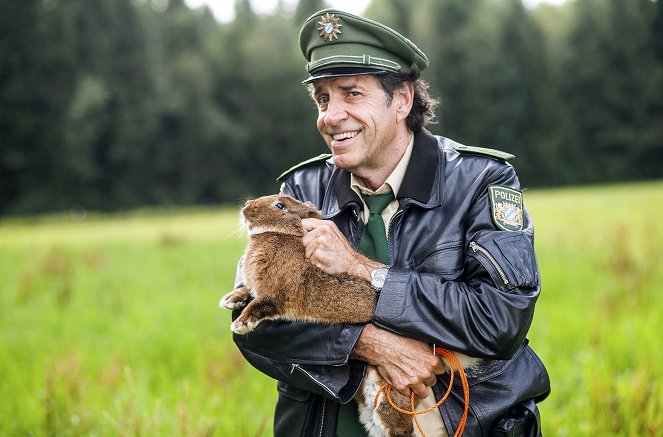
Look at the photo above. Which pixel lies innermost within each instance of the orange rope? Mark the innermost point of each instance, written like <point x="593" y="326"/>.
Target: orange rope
<point x="451" y="359"/>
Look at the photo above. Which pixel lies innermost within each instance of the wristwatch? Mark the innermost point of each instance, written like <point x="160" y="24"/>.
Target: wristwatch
<point x="378" y="276"/>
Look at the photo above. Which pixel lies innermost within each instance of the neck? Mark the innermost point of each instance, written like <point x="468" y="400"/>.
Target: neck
<point x="374" y="178"/>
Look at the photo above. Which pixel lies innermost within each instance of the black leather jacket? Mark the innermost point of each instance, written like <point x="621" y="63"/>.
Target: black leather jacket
<point x="439" y="289"/>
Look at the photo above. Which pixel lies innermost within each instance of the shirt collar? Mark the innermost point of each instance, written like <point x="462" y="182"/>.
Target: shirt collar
<point x="423" y="184"/>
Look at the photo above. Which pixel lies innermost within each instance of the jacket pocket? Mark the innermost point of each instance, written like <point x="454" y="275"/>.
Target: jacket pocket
<point x="293" y="392"/>
<point x="495" y="387"/>
<point x="294" y="414"/>
<point x="518" y="252"/>
<point x="444" y="259"/>
<point x="509" y="259"/>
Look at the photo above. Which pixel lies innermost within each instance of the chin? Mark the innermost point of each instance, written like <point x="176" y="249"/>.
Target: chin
<point x="344" y="162"/>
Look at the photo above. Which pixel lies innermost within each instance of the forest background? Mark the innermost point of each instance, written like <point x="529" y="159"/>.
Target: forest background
<point x="108" y="105"/>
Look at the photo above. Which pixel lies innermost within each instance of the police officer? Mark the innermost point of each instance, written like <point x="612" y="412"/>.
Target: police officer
<point x="450" y="247"/>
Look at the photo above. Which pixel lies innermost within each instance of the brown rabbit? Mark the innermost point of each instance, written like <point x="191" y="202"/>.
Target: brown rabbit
<point x="280" y="283"/>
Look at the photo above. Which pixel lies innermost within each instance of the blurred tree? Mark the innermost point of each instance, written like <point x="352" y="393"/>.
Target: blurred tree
<point x="269" y="101"/>
<point x="305" y="8"/>
<point x="119" y="104"/>
<point x="86" y="130"/>
<point x="119" y="60"/>
<point x="189" y="156"/>
<point x="552" y="162"/>
<point x="657" y="31"/>
<point x="244" y="12"/>
<point x="455" y="49"/>
<point x="611" y="89"/>
<point x="397" y="14"/>
<point x="35" y="80"/>
<point x="508" y="81"/>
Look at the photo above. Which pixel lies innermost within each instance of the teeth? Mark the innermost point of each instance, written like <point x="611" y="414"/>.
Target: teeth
<point x="345" y="135"/>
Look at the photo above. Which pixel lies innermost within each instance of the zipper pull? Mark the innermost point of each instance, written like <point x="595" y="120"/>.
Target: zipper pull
<point x="476" y="247"/>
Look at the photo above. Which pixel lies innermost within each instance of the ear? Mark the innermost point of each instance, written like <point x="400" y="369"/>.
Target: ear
<point x="404" y="99"/>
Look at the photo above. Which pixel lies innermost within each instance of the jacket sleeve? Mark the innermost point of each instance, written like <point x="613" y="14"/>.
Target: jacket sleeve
<point x="487" y="311"/>
<point x="313" y="357"/>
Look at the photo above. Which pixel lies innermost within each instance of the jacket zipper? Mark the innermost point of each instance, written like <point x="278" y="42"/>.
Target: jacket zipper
<point x="354" y="232"/>
<point x="476" y="247"/>
<point x="298" y="367"/>
<point x="400" y="211"/>
<point x="322" y="419"/>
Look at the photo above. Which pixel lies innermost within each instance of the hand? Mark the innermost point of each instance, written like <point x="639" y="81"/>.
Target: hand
<point x="407" y="364"/>
<point x="326" y="248"/>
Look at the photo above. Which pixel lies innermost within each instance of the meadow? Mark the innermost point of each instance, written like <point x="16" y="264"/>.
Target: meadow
<point x="110" y="323"/>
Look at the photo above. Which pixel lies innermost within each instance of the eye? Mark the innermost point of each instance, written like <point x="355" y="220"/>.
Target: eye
<point x="323" y="100"/>
<point x="279" y="205"/>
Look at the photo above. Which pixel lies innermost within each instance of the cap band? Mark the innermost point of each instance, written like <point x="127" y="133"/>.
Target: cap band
<point x="367" y="60"/>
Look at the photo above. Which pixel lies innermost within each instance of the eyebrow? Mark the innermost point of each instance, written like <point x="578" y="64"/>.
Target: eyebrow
<point x="318" y="90"/>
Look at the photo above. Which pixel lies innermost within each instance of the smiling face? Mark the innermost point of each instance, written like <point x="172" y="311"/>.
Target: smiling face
<point x="366" y="133"/>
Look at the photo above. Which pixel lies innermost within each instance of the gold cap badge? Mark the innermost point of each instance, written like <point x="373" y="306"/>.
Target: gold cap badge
<point x="329" y="27"/>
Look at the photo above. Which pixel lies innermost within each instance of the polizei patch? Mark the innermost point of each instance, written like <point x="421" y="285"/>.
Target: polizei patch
<point x="507" y="207"/>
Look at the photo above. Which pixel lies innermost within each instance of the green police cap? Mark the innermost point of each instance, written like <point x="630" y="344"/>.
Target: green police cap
<point x="337" y="43"/>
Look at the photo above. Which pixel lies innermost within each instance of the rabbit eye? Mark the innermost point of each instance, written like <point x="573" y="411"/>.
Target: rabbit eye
<point x="280" y="205"/>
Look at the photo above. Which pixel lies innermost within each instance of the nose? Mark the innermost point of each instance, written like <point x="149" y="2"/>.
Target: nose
<point x="335" y="113"/>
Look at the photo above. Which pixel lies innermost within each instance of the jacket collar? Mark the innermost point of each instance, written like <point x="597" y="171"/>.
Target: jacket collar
<point x="422" y="184"/>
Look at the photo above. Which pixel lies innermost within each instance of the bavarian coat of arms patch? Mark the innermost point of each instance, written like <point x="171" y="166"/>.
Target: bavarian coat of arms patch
<point x="506" y="205"/>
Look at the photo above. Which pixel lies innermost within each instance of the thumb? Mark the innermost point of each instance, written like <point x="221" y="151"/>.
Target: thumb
<point x="309" y="224"/>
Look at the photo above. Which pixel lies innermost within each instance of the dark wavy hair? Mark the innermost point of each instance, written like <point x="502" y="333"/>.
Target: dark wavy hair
<point x="423" y="107"/>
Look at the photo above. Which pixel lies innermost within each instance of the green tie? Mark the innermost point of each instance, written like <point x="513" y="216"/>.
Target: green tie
<point x="373" y="242"/>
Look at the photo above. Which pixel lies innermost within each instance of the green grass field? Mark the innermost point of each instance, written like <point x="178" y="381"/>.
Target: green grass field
<point x="110" y="325"/>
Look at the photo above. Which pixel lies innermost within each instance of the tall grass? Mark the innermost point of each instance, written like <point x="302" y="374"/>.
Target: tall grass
<point x="110" y="325"/>
<point x="600" y="316"/>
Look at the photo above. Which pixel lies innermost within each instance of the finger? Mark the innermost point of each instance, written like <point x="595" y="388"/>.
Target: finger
<point x="310" y="247"/>
<point x="441" y="369"/>
<point x="428" y="378"/>
<point x="308" y="238"/>
<point x="402" y="389"/>
<point x="420" y="390"/>
<point x="438" y="367"/>
<point x="309" y="224"/>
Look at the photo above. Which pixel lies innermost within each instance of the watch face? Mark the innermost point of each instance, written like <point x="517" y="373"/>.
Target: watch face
<point x="378" y="277"/>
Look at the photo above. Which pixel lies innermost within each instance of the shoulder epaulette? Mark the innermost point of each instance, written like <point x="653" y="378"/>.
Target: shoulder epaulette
<point x="319" y="158"/>
<point x="492" y="153"/>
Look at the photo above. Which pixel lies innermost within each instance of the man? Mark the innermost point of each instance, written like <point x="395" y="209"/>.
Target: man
<point x="454" y="263"/>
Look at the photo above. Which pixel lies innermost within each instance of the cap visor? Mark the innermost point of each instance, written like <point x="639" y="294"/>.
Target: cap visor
<point x="342" y="72"/>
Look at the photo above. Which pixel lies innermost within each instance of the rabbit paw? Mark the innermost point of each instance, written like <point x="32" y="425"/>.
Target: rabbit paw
<point x="236" y="299"/>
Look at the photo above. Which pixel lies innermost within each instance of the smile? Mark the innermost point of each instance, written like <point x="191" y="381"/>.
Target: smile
<point x="345" y="135"/>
